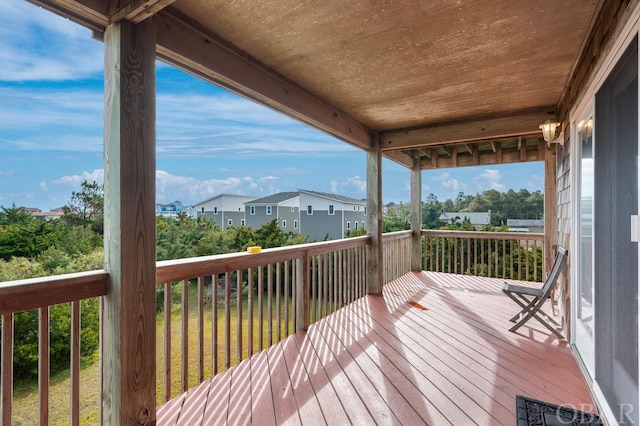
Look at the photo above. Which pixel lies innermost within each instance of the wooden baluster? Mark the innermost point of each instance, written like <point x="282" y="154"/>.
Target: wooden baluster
<point x="286" y="298"/>
<point x="278" y="312"/>
<point x="44" y="343"/>
<point x="239" y="316"/>
<point x="261" y="308"/>
<point x="185" y="335"/>
<point x="270" y="304"/>
<point x="7" y="368"/>
<point x="250" y="323"/>
<point x="75" y="363"/>
<point x="200" y="329"/>
<point x="214" y="324"/>
<point x="167" y="341"/>
<point x="227" y="320"/>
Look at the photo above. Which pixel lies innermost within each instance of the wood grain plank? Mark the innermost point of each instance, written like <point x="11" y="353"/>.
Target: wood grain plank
<point x="217" y="408"/>
<point x="168" y="413"/>
<point x="240" y="394"/>
<point x="194" y="405"/>
<point x="334" y="412"/>
<point x="303" y="391"/>
<point x="284" y="403"/>
<point x="262" y="410"/>
<point x="358" y="382"/>
<point x="380" y="371"/>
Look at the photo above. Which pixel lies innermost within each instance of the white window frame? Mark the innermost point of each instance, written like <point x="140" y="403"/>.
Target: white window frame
<point x="284" y="223"/>
<point x="295" y="224"/>
<point x="242" y="222"/>
<point x="215" y="210"/>
<point x="332" y="210"/>
<point x="202" y="210"/>
<point x="252" y="210"/>
<point x="269" y="210"/>
<point x="229" y="222"/>
<point x="348" y="225"/>
<point x="309" y="210"/>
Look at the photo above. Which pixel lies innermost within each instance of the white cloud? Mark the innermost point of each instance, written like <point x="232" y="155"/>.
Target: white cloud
<point x="96" y="175"/>
<point x="39" y="45"/>
<point x="7" y="172"/>
<point x="43" y="186"/>
<point x="190" y="190"/>
<point x="450" y="184"/>
<point x="489" y="179"/>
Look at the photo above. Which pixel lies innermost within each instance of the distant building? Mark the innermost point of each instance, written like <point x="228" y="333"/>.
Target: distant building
<point x="525" y="225"/>
<point x="477" y="219"/>
<point x="315" y="214"/>
<point x="224" y="209"/>
<point x="42" y="216"/>
<point x="169" y="210"/>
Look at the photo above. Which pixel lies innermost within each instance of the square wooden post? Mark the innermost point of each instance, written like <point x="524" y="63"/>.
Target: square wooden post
<point x="416" y="216"/>
<point x="128" y="311"/>
<point x="375" y="263"/>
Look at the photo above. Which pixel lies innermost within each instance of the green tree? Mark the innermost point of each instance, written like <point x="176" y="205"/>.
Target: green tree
<point x="86" y="206"/>
<point x="15" y="216"/>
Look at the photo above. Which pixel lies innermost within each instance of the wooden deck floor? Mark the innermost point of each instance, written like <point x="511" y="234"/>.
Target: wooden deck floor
<point x="434" y="350"/>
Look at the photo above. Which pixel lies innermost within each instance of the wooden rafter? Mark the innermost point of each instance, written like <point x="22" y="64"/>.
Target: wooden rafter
<point x="137" y="11"/>
<point x="516" y="124"/>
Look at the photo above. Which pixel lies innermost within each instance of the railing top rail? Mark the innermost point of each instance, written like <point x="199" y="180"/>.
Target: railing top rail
<point x="531" y="236"/>
<point x="397" y="235"/>
<point x="23" y="295"/>
<point x="175" y="270"/>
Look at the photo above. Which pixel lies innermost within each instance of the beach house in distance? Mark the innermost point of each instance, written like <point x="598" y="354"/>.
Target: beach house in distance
<point x="315" y="214"/>
<point x="224" y="209"/>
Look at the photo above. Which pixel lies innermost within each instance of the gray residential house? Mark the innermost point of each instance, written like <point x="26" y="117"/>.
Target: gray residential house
<point x="224" y="209"/>
<point x="316" y="214"/>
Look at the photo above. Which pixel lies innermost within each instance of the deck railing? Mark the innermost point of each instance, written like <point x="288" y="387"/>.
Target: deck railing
<point x="247" y="302"/>
<point x="396" y="254"/>
<point x="507" y="255"/>
<point x="18" y="297"/>
<point x="215" y="311"/>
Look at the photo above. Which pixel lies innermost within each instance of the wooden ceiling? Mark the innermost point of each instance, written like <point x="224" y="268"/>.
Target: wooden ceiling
<point x="411" y="75"/>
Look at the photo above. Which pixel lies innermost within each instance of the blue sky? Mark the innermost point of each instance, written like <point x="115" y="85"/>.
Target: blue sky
<point x="209" y="141"/>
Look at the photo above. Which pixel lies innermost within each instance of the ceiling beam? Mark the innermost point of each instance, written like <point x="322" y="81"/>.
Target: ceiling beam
<point x="212" y="59"/>
<point x="516" y="124"/>
<point x="91" y="14"/>
<point x="137" y="11"/>
<point x="401" y="157"/>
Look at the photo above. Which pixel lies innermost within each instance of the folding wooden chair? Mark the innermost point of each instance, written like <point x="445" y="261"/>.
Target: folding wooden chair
<point x="531" y="299"/>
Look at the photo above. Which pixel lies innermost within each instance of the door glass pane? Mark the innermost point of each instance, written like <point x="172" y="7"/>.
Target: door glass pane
<point x="585" y="308"/>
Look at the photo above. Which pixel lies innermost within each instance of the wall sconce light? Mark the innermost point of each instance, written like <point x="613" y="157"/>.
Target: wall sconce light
<point x="549" y="133"/>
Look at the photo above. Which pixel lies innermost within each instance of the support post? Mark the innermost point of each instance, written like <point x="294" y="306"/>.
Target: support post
<point x="128" y="326"/>
<point x="416" y="216"/>
<point x="550" y="208"/>
<point x="375" y="263"/>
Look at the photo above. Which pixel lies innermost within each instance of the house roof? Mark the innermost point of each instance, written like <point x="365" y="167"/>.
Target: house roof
<point x="447" y="83"/>
<point x="224" y="195"/>
<point x="283" y="196"/>
<point x="341" y="198"/>
<point x="275" y="198"/>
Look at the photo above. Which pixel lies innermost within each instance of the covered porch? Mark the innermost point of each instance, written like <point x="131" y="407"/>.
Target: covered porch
<point x="425" y="84"/>
<point x="433" y="349"/>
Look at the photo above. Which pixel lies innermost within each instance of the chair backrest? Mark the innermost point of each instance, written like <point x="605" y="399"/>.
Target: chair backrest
<point x="558" y="265"/>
